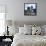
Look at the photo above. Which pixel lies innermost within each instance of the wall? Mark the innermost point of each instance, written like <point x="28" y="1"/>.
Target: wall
<point x="15" y="9"/>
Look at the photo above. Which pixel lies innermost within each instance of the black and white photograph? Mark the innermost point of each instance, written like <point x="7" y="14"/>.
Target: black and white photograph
<point x="30" y="9"/>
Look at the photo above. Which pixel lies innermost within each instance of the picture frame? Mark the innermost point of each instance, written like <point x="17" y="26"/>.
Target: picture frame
<point x="30" y="9"/>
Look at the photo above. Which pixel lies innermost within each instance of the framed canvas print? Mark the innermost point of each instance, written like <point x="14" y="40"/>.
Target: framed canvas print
<point x="30" y="9"/>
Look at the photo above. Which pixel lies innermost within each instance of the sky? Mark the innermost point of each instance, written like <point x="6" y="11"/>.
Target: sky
<point x="29" y="5"/>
